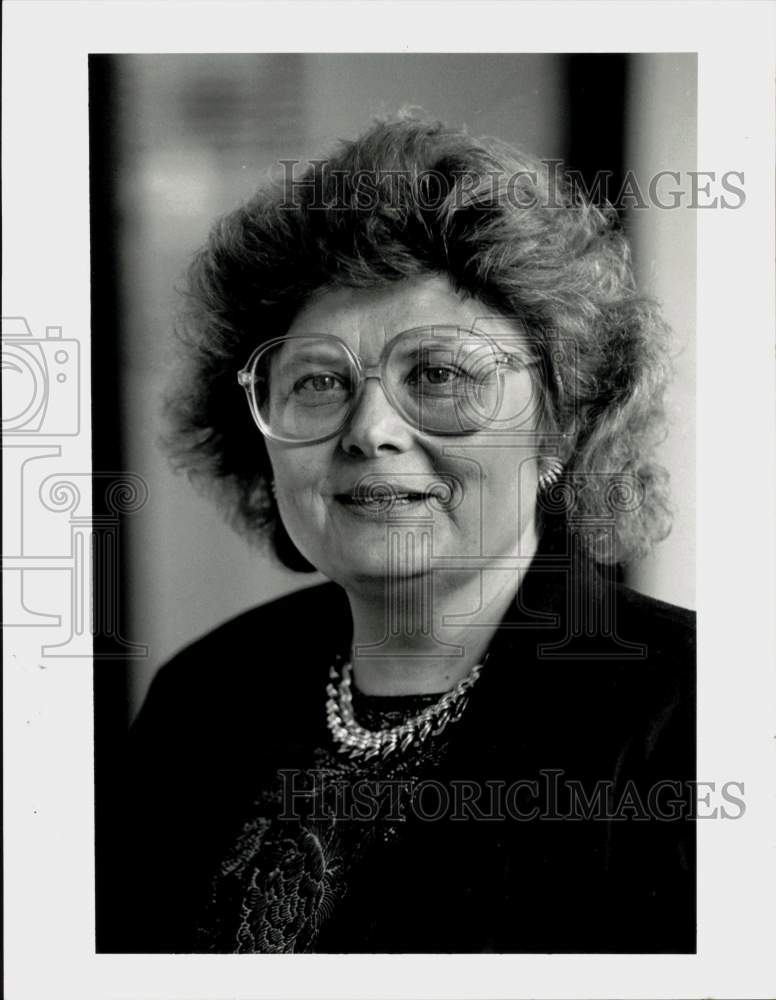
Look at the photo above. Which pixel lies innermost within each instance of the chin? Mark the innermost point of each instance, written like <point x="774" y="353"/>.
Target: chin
<point x="374" y="569"/>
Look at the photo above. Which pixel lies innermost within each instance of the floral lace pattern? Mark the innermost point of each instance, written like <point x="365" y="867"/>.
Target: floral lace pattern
<point x="284" y="877"/>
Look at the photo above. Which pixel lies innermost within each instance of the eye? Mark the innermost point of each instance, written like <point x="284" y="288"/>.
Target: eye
<point x="440" y="375"/>
<point x="441" y="383"/>
<point x="320" y="382"/>
<point x="435" y="375"/>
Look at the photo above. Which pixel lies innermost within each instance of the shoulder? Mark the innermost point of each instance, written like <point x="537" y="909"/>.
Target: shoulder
<point x="256" y="654"/>
<point x="300" y="611"/>
<point x="656" y="689"/>
<point x="667" y="629"/>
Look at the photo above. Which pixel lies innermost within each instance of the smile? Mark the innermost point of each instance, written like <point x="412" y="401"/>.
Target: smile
<point x="381" y="500"/>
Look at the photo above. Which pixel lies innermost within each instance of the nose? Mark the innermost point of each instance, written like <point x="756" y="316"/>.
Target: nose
<point x="375" y="428"/>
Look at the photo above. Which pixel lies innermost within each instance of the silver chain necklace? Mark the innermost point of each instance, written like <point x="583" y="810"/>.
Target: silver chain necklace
<point x="356" y="741"/>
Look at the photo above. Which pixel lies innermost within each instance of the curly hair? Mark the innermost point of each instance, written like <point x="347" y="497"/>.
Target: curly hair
<point x="408" y="198"/>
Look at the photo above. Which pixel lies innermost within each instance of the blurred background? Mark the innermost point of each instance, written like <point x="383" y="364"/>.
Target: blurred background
<point x="178" y="139"/>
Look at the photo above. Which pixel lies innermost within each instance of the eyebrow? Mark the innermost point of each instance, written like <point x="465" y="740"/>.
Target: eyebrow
<point x="452" y="347"/>
<point x="430" y="344"/>
<point x="326" y="355"/>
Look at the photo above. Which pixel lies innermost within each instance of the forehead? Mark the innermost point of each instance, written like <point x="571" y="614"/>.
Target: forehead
<point x="367" y="319"/>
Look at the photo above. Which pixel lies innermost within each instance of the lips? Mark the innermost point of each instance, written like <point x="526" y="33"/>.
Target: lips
<point x="380" y="497"/>
<point x="383" y="499"/>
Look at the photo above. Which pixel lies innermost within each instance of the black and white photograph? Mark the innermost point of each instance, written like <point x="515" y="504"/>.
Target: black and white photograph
<point x="416" y="363"/>
<point x="394" y="524"/>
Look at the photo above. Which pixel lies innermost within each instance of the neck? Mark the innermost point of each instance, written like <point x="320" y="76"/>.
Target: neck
<point x="423" y="634"/>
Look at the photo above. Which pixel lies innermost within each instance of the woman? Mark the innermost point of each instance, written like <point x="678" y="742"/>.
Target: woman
<point x="473" y="738"/>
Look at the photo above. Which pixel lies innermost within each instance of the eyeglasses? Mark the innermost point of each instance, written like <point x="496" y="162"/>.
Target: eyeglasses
<point x="443" y="380"/>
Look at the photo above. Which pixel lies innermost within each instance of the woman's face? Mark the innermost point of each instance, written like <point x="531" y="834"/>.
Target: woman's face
<point x="485" y="507"/>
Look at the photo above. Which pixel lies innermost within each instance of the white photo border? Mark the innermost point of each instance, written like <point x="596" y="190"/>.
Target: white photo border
<point x="49" y="728"/>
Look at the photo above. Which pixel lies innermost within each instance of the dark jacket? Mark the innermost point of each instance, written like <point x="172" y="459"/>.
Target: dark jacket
<point x="558" y="833"/>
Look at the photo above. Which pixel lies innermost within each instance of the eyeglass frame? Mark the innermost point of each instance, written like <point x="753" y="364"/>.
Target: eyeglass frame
<point x="246" y="378"/>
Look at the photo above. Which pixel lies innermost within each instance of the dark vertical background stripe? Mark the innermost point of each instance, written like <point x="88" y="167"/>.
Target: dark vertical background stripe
<point x="110" y="674"/>
<point x="596" y="92"/>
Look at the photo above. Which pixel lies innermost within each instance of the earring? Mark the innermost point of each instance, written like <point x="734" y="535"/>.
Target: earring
<point x="549" y="472"/>
<point x="273" y="488"/>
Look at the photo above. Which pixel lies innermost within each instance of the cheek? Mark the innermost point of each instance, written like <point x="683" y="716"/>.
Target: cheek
<point x="298" y="476"/>
<point x="499" y="495"/>
<point x="294" y="467"/>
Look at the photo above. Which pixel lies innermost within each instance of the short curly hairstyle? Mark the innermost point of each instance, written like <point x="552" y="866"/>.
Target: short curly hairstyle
<point x="411" y="197"/>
